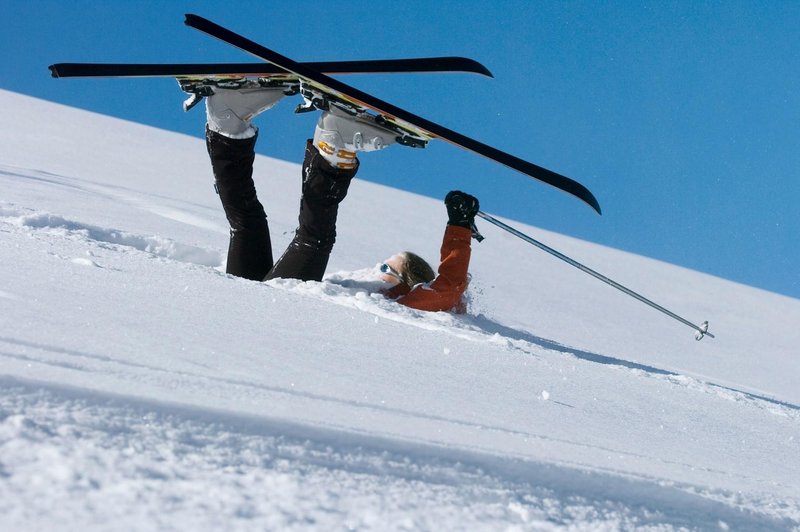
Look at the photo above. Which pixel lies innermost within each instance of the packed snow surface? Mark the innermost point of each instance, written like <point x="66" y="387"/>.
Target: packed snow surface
<point x="143" y="388"/>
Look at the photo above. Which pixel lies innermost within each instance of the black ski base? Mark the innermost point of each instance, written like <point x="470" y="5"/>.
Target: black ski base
<point x="374" y="66"/>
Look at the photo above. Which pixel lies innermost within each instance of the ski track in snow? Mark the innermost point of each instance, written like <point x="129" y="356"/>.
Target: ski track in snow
<point x="103" y="237"/>
<point x="94" y="461"/>
<point x="159" y="205"/>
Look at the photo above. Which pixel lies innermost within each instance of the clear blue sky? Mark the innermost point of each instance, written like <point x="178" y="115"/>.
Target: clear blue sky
<point x="683" y="118"/>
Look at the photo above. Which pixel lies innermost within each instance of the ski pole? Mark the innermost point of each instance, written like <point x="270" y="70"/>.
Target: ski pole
<point x="701" y="330"/>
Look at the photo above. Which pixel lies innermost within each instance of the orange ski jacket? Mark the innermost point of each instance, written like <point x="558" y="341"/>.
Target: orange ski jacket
<point x="446" y="290"/>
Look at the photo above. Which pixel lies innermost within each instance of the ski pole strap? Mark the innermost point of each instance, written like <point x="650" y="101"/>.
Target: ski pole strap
<point x="700" y="330"/>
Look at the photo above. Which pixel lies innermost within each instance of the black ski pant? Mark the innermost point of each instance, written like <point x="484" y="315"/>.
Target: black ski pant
<point x="250" y="249"/>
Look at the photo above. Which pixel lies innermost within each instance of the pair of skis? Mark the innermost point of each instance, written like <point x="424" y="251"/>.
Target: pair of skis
<point x="321" y="91"/>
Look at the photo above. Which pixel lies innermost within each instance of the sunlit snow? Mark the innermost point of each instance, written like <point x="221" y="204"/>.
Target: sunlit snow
<point x="142" y="388"/>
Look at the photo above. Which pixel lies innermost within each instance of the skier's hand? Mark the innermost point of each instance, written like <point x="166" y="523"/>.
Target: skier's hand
<point x="461" y="208"/>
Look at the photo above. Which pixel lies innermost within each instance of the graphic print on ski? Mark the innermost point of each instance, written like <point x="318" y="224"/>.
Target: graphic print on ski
<point x="177" y="70"/>
<point x="342" y="90"/>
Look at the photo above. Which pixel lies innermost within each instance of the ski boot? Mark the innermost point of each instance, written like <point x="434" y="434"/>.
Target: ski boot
<point x="229" y="111"/>
<point x="339" y="136"/>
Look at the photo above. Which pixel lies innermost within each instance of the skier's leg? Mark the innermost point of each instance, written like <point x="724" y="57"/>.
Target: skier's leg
<point x="231" y="139"/>
<point x="249" y="249"/>
<point x="330" y="164"/>
<point x="324" y="187"/>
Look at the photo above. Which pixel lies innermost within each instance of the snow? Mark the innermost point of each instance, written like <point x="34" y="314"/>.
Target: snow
<point x="142" y="388"/>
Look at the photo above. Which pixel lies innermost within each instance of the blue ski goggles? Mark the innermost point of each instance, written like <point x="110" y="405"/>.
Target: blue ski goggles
<point x="388" y="270"/>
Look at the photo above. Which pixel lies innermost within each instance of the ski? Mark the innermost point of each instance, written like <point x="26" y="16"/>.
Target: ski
<point x="340" y="91"/>
<point x="375" y="66"/>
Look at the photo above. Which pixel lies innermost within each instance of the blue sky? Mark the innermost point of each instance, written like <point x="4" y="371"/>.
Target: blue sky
<point x="683" y="118"/>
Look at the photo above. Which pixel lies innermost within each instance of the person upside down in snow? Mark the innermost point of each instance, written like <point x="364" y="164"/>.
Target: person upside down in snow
<point x="330" y="164"/>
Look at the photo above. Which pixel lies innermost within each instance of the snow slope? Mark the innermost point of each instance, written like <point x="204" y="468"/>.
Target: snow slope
<point x="143" y="388"/>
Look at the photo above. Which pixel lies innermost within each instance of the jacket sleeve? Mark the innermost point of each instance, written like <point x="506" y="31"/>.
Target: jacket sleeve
<point x="445" y="291"/>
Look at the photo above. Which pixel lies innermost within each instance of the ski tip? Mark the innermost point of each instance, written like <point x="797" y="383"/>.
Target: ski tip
<point x="594" y="204"/>
<point x="54" y="71"/>
<point x="477" y="68"/>
<point x="587" y="197"/>
<point x="480" y="69"/>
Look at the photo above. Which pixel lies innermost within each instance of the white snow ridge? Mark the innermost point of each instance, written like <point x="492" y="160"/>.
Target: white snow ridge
<point x="142" y="388"/>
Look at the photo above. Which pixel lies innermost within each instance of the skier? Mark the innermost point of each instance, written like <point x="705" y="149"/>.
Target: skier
<point x="329" y="165"/>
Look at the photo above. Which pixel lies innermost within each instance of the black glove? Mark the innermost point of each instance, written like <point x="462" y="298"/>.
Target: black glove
<point x="461" y="211"/>
<point x="461" y="208"/>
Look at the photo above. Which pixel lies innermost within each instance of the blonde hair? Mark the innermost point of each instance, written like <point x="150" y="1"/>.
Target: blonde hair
<point x="415" y="270"/>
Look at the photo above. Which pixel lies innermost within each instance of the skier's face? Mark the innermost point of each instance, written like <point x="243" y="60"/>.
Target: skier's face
<point x="390" y="269"/>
